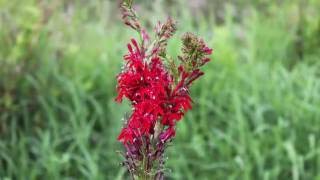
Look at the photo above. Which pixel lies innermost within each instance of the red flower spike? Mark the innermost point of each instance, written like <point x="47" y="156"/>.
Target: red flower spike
<point x="159" y="95"/>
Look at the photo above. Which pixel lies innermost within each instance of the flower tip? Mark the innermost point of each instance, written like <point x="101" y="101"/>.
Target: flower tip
<point x="134" y="42"/>
<point x="207" y="50"/>
<point x="145" y="35"/>
<point x="129" y="48"/>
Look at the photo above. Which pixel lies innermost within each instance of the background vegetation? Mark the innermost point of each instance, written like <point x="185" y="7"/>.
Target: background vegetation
<point x="256" y="113"/>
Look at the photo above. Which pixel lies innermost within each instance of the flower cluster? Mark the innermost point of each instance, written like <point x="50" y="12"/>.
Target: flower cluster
<point x="158" y="92"/>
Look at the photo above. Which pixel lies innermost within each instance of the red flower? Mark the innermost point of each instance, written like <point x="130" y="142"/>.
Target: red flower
<point x="151" y="90"/>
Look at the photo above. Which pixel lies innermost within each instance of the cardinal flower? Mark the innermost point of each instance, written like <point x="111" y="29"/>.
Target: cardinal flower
<point x="158" y="90"/>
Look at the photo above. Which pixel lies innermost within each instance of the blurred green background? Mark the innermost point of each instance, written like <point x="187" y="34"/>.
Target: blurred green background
<point x="256" y="113"/>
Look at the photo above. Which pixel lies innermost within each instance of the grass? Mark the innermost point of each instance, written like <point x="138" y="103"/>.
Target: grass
<point x="256" y="113"/>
